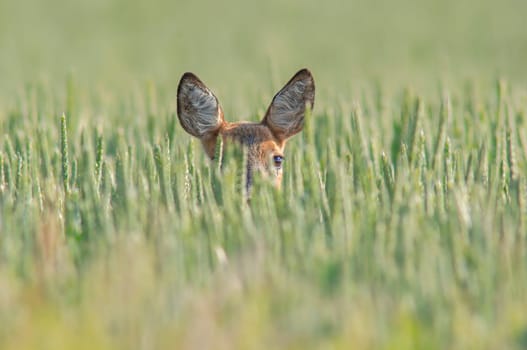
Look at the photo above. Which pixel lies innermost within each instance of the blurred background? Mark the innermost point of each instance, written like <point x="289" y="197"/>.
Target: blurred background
<point x="237" y="45"/>
<point x="381" y="261"/>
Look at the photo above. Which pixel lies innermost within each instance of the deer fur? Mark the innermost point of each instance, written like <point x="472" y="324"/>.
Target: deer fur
<point x="201" y="115"/>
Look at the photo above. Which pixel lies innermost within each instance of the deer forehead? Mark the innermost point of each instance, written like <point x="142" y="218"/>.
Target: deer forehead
<point x="253" y="134"/>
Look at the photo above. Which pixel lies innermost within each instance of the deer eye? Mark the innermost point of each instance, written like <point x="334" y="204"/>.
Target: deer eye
<point x="278" y="160"/>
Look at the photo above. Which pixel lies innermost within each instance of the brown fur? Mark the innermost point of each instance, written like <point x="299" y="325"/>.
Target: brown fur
<point x="265" y="140"/>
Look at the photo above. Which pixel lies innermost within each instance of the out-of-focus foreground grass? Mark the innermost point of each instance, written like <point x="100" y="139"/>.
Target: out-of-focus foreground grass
<point x="401" y="222"/>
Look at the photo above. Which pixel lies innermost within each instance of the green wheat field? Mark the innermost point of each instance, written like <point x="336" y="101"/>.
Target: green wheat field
<point x="402" y="218"/>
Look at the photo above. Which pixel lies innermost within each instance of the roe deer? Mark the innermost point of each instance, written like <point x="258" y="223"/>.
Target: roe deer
<point x="201" y="115"/>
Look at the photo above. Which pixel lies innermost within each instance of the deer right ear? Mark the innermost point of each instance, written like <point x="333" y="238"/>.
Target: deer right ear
<point x="199" y="111"/>
<point x="285" y="115"/>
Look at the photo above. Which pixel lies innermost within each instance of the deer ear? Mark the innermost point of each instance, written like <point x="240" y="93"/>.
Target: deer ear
<point x="285" y="115"/>
<point x="198" y="110"/>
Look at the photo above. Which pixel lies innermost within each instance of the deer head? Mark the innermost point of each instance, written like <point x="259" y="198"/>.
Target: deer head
<point x="201" y="115"/>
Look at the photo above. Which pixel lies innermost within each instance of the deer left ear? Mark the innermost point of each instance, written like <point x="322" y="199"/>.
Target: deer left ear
<point x="285" y="115"/>
<point x="199" y="111"/>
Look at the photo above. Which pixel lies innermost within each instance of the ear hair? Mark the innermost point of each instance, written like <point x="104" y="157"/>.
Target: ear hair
<point x="198" y="110"/>
<point x="285" y="115"/>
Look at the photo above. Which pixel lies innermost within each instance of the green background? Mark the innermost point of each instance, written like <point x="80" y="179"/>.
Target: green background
<point x="402" y="219"/>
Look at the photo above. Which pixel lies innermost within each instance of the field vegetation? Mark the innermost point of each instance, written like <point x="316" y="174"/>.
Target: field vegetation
<point x="402" y="218"/>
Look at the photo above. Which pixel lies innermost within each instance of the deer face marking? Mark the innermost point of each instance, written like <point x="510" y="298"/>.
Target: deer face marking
<point x="201" y="115"/>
